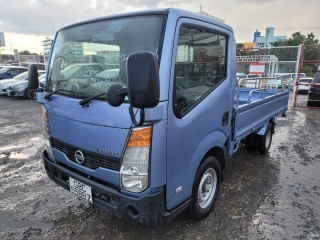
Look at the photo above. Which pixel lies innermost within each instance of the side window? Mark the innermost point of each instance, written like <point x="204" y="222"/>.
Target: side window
<point x="21" y="71"/>
<point x="14" y="71"/>
<point x="200" y="65"/>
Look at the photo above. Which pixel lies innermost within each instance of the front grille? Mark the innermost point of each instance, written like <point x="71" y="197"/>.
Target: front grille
<point x="92" y="160"/>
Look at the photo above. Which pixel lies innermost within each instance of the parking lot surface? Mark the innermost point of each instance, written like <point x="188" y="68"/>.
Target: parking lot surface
<point x="273" y="196"/>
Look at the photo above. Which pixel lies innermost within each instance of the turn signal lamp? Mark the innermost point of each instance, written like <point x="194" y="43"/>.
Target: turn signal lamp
<point x="134" y="171"/>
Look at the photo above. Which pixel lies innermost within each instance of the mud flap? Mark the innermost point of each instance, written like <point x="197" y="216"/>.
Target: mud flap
<point x="263" y="129"/>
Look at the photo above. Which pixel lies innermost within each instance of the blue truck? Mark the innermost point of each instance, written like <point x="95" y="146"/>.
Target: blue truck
<point x="142" y="112"/>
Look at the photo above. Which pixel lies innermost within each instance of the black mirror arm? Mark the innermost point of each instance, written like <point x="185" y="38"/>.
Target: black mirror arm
<point x="40" y="89"/>
<point x="122" y="92"/>
<point x="133" y="118"/>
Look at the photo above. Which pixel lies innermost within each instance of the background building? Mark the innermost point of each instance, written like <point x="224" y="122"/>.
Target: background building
<point x="46" y="44"/>
<point x="2" y="41"/>
<point x="268" y="39"/>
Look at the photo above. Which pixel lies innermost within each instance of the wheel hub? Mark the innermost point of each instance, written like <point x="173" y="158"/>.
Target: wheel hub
<point x="207" y="188"/>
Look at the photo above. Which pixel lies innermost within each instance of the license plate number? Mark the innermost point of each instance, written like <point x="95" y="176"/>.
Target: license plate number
<point x="82" y="190"/>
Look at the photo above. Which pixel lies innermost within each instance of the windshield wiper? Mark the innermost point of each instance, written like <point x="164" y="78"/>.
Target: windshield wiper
<point x="86" y="100"/>
<point x="48" y="95"/>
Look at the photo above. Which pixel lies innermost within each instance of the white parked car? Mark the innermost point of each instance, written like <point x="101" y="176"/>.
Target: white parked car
<point x="292" y="78"/>
<point x="303" y="88"/>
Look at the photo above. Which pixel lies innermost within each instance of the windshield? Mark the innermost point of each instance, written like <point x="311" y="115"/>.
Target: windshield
<point x="294" y="75"/>
<point x="306" y="80"/>
<point x="89" y="58"/>
<point x="4" y="70"/>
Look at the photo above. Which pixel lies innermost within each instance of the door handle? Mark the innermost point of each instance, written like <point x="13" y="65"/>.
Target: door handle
<point x="225" y="119"/>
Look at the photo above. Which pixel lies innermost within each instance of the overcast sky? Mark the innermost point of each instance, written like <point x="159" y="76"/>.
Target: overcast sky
<point x="27" y="22"/>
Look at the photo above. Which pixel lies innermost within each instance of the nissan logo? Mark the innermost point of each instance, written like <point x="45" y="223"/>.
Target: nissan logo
<point x="78" y="155"/>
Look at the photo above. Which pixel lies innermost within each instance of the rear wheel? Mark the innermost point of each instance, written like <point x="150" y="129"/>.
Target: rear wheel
<point x="205" y="188"/>
<point x="263" y="142"/>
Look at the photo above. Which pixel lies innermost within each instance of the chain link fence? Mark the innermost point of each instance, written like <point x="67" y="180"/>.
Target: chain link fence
<point x="279" y="61"/>
<point x="306" y="88"/>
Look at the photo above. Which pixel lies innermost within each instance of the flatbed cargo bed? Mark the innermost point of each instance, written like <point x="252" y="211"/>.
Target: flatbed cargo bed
<point x="253" y="109"/>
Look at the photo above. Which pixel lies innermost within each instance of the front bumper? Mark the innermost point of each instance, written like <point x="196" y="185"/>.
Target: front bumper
<point x="313" y="99"/>
<point x="314" y="95"/>
<point x="303" y="91"/>
<point x="149" y="209"/>
<point x="15" y="93"/>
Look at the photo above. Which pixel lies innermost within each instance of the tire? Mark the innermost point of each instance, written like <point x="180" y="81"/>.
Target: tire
<point x="250" y="142"/>
<point x="205" y="188"/>
<point x="263" y="143"/>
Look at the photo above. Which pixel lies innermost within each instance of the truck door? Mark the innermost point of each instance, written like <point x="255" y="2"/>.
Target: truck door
<point x="200" y="101"/>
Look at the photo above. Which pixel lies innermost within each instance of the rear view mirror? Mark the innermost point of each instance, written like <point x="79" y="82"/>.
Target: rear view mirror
<point x="143" y="80"/>
<point x="33" y="81"/>
<point x="115" y="95"/>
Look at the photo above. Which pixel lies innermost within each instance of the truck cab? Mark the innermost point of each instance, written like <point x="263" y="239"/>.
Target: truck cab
<point x="139" y="112"/>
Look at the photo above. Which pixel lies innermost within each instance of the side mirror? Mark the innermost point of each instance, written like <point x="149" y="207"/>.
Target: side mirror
<point x="143" y="80"/>
<point x="115" y="95"/>
<point x="33" y="81"/>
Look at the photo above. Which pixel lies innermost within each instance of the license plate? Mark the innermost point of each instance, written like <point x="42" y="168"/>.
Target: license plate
<point x="82" y="190"/>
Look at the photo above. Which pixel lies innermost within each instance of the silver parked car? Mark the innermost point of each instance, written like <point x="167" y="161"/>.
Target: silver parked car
<point x="20" y="88"/>
<point x="11" y="71"/>
<point x="8" y="82"/>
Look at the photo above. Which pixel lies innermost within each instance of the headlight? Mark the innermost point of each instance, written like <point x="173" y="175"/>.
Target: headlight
<point x="134" y="171"/>
<point x="46" y="134"/>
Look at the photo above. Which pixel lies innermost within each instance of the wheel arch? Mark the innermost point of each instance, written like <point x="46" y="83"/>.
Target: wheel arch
<point x="219" y="154"/>
<point x="273" y="124"/>
<point x="264" y="128"/>
<point x="213" y="145"/>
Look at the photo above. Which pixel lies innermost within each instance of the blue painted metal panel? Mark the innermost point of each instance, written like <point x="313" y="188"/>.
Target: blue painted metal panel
<point x="189" y="138"/>
<point x="252" y="116"/>
<point x="98" y="112"/>
<point x="158" y="156"/>
<point x="88" y="136"/>
<point x="96" y="126"/>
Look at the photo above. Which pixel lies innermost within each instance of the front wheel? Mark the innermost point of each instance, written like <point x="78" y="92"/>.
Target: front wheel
<point x="205" y="188"/>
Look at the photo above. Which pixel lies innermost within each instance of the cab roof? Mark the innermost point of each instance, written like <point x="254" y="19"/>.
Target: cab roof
<point x="175" y="13"/>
